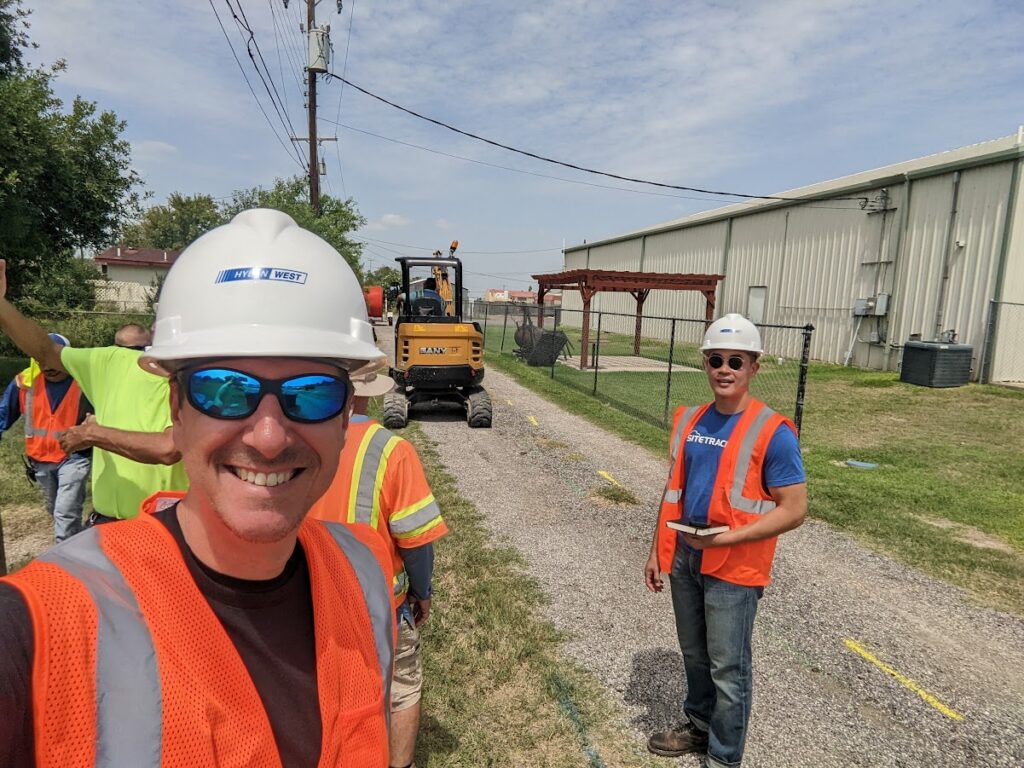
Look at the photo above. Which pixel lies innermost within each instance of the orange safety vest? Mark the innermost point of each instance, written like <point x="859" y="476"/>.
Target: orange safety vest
<point x="738" y="497"/>
<point x="132" y="667"/>
<point x="380" y="483"/>
<point x="43" y="426"/>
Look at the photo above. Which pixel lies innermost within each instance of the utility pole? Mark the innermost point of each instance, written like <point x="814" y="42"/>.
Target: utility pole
<point x="314" y="165"/>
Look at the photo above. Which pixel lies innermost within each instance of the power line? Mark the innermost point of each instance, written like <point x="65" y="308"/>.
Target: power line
<point x="243" y="24"/>
<point x="426" y="248"/>
<point x="573" y="165"/>
<point x="341" y="95"/>
<point x="251" y="90"/>
<point x="528" y="173"/>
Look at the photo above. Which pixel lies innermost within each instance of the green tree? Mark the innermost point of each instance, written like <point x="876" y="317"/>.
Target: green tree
<point x="386" y="277"/>
<point x="174" y="225"/>
<point x="337" y="217"/>
<point x="66" y="180"/>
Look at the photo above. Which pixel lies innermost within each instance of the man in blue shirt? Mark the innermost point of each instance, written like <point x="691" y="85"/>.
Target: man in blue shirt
<point x="62" y="476"/>
<point x="737" y="482"/>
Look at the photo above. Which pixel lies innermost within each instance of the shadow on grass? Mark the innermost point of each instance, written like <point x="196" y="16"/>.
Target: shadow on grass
<point x="435" y="742"/>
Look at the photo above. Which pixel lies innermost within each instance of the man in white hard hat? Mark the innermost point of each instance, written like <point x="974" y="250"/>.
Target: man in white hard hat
<point x="737" y="481"/>
<point x="226" y="628"/>
<point x="381" y="483"/>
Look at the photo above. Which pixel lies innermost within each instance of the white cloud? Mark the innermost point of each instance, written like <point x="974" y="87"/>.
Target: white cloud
<point x="387" y="222"/>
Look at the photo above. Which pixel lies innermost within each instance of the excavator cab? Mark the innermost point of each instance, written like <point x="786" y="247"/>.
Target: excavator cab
<point x="439" y="357"/>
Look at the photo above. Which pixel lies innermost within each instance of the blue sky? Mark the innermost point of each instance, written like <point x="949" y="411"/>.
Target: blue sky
<point x="755" y="97"/>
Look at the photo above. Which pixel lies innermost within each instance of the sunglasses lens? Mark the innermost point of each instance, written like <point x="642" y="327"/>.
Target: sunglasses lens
<point x="226" y="394"/>
<point x="223" y="393"/>
<point x="715" y="361"/>
<point x="313" y="398"/>
<point x="735" y="362"/>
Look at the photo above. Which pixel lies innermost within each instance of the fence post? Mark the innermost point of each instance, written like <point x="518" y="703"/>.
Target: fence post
<point x="668" y="385"/>
<point x="554" y="340"/>
<point x="985" y="364"/>
<point x="805" y="358"/>
<point x="503" y="327"/>
<point x="597" y="351"/>
<point x="487" y="308"/>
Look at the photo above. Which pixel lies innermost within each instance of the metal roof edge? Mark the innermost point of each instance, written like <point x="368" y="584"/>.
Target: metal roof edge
<point x="984" y="153"/>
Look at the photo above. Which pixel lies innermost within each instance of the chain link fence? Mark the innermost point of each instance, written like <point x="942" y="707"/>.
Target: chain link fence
<point x="1004" y="359"/>
<point x="644" y="367"/>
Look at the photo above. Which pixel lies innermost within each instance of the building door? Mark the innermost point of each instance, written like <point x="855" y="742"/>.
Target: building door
<point x="756" y="297"/>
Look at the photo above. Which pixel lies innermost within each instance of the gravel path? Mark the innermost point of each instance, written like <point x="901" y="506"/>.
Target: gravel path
<point x="816" y="702"/>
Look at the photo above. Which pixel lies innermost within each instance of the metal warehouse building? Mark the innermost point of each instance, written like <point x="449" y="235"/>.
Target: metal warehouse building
<point x="912" y="250"/>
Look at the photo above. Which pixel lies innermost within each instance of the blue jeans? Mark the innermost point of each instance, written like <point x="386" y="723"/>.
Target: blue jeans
<point x="63" y="486"/>
<point x="715" y="620"/>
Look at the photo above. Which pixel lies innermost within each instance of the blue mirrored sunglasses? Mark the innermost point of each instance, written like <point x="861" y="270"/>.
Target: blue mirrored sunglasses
<point x="224" y="393"/>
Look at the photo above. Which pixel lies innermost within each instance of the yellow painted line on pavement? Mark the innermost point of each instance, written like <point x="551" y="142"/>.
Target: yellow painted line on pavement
<point x="906" y="682"/>
<point x="533" y="421"/>
<point x="609" y="478"/>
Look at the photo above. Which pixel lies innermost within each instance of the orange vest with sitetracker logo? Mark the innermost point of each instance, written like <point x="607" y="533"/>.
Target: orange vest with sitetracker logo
<point x="132" y="667"/>
<point x="738" y="497"/>
<point x="399" y="506"/>
<point x="43" y="426"/>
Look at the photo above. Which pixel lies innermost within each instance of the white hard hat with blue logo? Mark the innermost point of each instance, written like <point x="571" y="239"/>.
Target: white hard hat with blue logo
<point x="733" y="331"/>
<point x="261" y="286"/>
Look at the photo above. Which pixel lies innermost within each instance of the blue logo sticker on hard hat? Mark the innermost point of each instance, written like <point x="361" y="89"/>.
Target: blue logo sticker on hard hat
<point x="261" y="273"/>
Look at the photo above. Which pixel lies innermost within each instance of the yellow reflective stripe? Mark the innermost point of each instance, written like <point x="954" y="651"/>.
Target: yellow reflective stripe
<point x="378" y="483"/>
<point x="400" y="584"/>
<point x="357" y="465"/>
<point x="421" y="530"/>
<point x="412" y="509"/>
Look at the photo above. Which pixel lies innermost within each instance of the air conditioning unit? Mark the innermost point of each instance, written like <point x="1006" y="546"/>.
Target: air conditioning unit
<point x="932" y="364"/>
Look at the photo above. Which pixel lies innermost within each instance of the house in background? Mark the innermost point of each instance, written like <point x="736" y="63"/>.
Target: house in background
<point x="132" y="276"/>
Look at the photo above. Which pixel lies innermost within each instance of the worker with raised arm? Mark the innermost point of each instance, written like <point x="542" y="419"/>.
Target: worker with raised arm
<point x="134" y="452"/>
<point x="225" y="628"/>
<point x="381" y="483"/>
<point x="735" y="465"/>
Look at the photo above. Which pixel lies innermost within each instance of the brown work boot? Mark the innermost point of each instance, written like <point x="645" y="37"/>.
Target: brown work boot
<point x="678" y="742"/>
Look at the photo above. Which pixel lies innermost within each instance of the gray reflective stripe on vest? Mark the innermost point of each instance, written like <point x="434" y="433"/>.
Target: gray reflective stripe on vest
<point x="378" y="601"/>
<point x="736" y="498"/>
<point x="673" y="495"/>
<point x="677" y="437"/>
<point x="367" y="479"/>
<point x="401" y="583"/>
<point x="30" y="427"/>
<point x="129" y="708"/>
<point x="417" y="519"/>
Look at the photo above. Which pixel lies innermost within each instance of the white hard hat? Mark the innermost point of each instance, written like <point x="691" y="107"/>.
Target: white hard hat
<point x="261" y="286"/>
<point x="733" y="331"/>
<point x="373" y="383"/>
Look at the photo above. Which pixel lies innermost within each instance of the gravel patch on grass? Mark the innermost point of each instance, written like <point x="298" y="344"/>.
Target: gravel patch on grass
<point x="816" y="701"/>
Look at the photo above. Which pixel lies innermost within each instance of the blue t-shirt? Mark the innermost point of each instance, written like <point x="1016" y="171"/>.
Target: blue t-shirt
<point x="783" y="464"/>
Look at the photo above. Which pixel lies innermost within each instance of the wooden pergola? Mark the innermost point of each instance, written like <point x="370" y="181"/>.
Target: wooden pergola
<point x="639" y="284"/>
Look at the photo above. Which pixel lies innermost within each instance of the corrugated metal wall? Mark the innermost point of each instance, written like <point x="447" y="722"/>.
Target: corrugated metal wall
<point x="1008" y="350"/>
<point x="815" y="260"/>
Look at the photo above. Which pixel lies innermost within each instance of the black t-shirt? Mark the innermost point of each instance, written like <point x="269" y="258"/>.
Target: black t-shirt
<point x="270" y="622"/>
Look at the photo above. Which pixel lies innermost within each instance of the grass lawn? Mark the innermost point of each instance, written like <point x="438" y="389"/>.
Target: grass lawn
<point x="644" y="394"/>
<point x="947" y="495"/>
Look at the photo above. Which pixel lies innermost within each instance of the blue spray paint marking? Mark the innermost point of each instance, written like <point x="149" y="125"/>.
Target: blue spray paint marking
<point x="563" y="694"/>
<point x="261" y="273"/>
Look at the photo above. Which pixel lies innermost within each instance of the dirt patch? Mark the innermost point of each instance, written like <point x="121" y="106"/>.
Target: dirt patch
<point x="968" y="535"/>
<point x="27" y="532"/>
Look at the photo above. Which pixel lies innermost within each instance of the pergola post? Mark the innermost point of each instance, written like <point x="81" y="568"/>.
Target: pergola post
<point x="641" y="297"/>
<point x="709" y="310"/>
<point x="541" y="290"/>
<point x="586" y="293"/>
